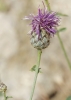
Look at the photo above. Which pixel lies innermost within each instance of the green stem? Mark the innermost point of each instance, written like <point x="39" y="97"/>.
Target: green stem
<point x="61" y="43"/>
<point x="62" y="46"/>
<point x="36" y="73"/>
<point x="48" y="5"/>
<point x="5" y="98"/>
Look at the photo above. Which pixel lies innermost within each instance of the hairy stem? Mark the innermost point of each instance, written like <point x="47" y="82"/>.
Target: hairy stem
<point x="61" y="43"/>
<point x="36" y="73"/>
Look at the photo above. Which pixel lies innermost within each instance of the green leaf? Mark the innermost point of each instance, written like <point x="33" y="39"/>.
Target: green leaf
<point x="33" y="68"/>
<point x="60" y="14"/>
<point x="62" y="29"/>
<point x="39" y="71"/>
<point x="69" y="98"/>
<point x="9" y="97"/>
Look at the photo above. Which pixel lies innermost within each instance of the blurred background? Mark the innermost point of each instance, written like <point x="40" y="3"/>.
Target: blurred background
<point x="17" y="56"/>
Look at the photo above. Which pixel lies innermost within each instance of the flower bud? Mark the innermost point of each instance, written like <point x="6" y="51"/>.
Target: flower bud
<point x="3" y="87"/>
<point x="44" y="25"/>
<point x="40" y="42"/>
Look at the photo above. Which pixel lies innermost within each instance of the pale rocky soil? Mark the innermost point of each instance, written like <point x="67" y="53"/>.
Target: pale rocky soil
<point x="17" y="55"/>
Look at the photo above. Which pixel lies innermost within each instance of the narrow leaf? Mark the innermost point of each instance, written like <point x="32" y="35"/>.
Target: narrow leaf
<point x="62" y="29"/>
<point x="39" y="71"/>
<point x="33" y="68"/>
<point x="60" y="14"/>
<point x="8" y="97"/>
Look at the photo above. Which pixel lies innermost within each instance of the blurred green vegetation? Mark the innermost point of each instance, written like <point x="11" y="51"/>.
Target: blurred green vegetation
<point x="3" y="6"/>
<point x="1" y="94"/>
<point x="69" y="98"/>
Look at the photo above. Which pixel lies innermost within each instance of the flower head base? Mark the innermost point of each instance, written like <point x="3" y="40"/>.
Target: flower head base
<point x="44" y="22"/>
<point x="42" y="42"/>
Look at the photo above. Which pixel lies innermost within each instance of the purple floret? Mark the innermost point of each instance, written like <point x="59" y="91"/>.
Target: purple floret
<point x="44" y="20"/>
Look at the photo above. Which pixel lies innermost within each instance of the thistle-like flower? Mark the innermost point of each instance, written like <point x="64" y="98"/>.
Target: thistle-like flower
<point x="43" y="27"/>
<point x="3" y="87"/>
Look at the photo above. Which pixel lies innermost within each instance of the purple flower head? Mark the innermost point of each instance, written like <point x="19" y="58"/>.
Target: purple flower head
<point x="45" y="20"/>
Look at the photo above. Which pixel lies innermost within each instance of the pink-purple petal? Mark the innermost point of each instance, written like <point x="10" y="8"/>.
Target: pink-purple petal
<point x="44" y="20"/>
